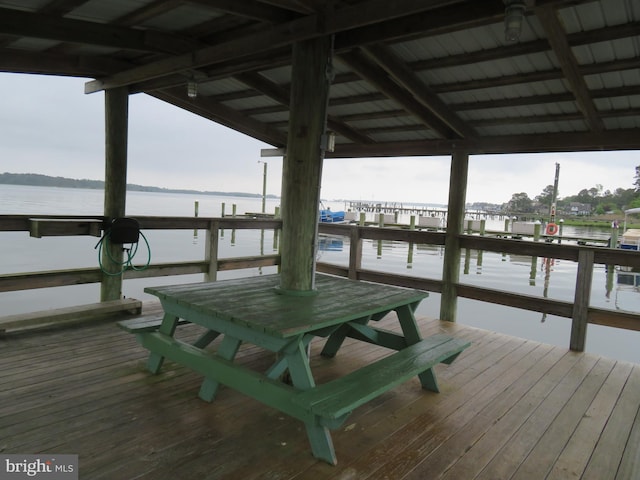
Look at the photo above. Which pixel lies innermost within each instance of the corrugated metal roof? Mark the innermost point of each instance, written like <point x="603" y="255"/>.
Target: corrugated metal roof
<point x="440" y="77"/>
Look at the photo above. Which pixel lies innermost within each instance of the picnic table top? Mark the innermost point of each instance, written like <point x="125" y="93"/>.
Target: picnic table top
<point x="257" y="303"/>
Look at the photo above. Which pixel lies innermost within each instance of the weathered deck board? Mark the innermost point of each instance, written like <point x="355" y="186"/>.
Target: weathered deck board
<point x="509" y="408"/>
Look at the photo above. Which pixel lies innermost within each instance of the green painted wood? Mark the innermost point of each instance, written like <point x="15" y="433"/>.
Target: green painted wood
<point x="273" y="393"/>
<point x="228" y="350"/>
<point x="255" y="303"/>
<point x="144" y="324"/>
<point x="167" y="327"/>
<point x="377" y="336"/>
<point x="337" y="398"/>
<point x="254" y="310"/>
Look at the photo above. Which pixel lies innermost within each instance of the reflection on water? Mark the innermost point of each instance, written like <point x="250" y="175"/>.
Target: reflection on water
<point x="547" y="278"/>
<point x="536" y="276"/>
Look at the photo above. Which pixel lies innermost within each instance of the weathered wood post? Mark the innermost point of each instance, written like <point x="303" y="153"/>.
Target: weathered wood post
<point x="302" y="165"/>
<point x="581" y="300"/>
<point x="355" y="252"/>
<point x="455" y="218"/>
<point x="116" y="102"/>
<point x="212" y="245"/>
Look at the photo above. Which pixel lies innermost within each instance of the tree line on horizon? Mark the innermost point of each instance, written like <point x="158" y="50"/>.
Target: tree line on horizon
<point x="599" y="200"/>
<point x="39" y="180"/>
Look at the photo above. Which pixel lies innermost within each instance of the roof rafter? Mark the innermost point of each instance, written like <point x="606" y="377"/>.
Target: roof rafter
<point x="250" y="9"/>
<point x="36" y="25"/>
<point x="311" y="26"/>
<point x="376" y="76"/>
<point x="402" y="74"/>
<point x="18" y="61"/>
<point x="282" y="96"/>
<point x="224" y="115"/>
<point x="551" y="142"/>
<point x="557" y="38"/>
<point x="61" y="7"/>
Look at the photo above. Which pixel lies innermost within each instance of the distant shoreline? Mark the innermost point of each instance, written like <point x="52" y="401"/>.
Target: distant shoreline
<point x="39" y="180"/>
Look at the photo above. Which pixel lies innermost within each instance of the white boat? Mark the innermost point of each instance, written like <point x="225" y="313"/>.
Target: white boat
<point x="631" y="237"/>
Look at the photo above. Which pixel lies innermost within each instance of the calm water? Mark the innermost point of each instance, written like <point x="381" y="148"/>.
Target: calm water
<point x="521" y="274"/>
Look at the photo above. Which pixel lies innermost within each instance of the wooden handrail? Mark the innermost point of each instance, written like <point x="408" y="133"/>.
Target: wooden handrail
<point x="579" y="311"/>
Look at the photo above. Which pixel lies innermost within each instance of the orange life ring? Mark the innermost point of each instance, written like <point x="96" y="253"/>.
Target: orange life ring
<point x="552" y="229"/>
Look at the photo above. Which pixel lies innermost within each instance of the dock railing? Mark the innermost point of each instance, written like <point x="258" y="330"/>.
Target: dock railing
<point x="579" y="310"/>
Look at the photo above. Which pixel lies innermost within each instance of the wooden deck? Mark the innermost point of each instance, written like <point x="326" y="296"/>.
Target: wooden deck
<point x="508" y="409"/>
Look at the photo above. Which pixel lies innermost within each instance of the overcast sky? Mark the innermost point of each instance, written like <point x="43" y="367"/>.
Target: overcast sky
<point x="49" y="126"/>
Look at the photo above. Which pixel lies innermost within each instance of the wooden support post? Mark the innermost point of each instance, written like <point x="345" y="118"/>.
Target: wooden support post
<point x="580" y="315"/>
<point x="302" y="166"/>
<point x="355" y="252"/>
<point x="455" y="219"/>
<point x="115" y="184"/>
<point x="211" y="251"/>
<point x="613" y="242"/>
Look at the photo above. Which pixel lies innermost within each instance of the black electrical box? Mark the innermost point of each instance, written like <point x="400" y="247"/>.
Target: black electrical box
<point x="124" y="230"/>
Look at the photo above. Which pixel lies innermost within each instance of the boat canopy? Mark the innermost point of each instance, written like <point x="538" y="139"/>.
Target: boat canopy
<point x="629" y="211"/>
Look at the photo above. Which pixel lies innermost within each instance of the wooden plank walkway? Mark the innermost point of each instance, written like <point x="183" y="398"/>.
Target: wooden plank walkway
<point x="508" y="409"/>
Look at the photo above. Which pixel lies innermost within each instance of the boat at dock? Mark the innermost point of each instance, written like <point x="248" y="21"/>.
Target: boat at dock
<point x="329" y="216"/>
<point x="630" y="237"/>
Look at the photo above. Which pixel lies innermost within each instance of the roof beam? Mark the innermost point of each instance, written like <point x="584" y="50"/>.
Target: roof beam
<point x="376" y="76"/>
<point x="19" y="61"/>
<point x="311" y="26"/>
<point x="282" y="96"/>
<point x="628" y="139"/>
<point x="250" y="9"/>
<point x="223" y="115"/>
<point x="615" y="66"/>
<point x="148" y="11"/>
<point x="61" y="7"/>
<point x="403" y="75"/>
<point x="557" y="38"/>
<point x="36" y="25"/>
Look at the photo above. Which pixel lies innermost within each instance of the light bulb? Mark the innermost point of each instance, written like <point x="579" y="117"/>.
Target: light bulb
<point x="513" y="17"/>
<point x="192" y="89"/>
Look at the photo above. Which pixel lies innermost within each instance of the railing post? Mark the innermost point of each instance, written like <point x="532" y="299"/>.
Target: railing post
<point x="580" y="315"/>
<point x="211" y="251"/>
<point x="355" y="252"/>
<point x="455" y="220"/>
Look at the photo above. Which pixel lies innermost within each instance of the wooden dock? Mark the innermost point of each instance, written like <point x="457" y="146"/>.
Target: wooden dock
<point x="508" y="409"/>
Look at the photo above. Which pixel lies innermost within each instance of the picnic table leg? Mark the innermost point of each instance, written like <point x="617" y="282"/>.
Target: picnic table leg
<point x="280" y="365"/>
<point x="168" y="327"/>
<point x="228" y="349"/>
<point x="206" y="338"/>
<point x="412" y="335"/>
<point x="302" y="378"/>
<point x="335" y="340"/>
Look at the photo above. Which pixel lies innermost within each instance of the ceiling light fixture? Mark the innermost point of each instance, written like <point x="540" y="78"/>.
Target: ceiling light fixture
<point x="192" y="88"/>
<point x="513" y="18"/>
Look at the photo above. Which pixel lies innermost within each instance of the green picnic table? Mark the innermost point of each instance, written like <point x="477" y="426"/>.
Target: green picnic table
<point x="255" y="311"/>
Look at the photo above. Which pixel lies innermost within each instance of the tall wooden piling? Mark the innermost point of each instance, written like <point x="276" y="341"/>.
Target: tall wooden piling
<point x="302" y="166"/>
<point x="116" y="103"/>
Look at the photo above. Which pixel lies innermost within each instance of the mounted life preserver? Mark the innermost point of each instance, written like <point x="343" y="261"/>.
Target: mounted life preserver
<point x="552" y="229"/>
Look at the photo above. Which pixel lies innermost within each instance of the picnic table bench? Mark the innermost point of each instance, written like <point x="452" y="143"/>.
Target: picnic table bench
<point x="253" y="310"/>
